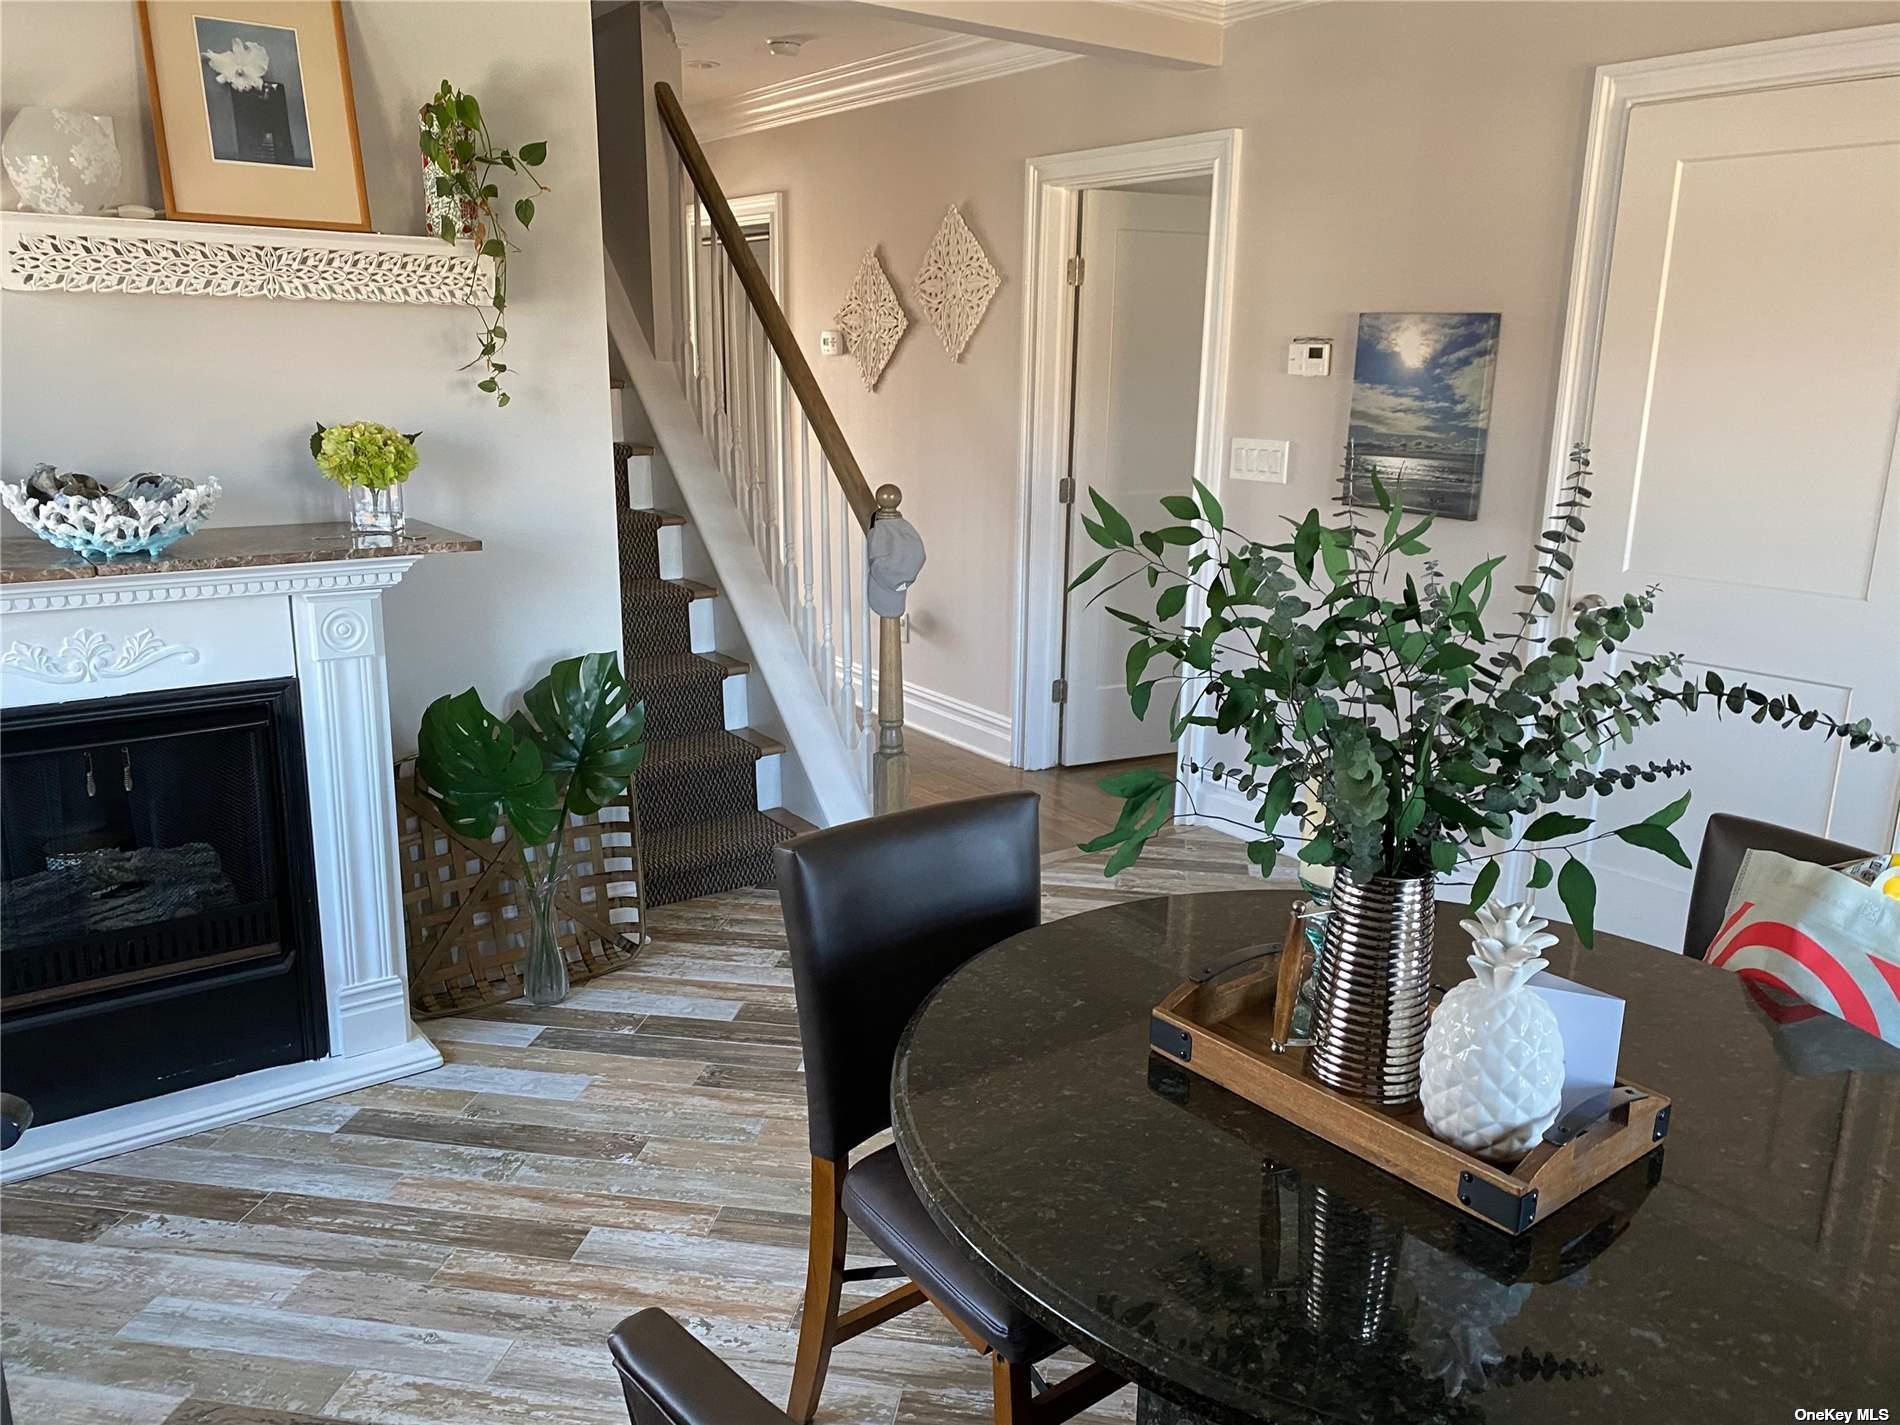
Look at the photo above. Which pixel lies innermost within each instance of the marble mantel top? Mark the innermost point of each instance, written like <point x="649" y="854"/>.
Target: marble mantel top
<point x="26" y="560"/>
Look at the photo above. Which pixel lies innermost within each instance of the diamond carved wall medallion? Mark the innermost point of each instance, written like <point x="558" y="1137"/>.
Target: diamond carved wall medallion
<point x="872" y="320"/>
<point x="956" y="283"/>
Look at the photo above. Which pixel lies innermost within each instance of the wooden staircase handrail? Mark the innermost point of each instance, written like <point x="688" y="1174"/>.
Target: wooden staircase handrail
<point x="798" y="373"/>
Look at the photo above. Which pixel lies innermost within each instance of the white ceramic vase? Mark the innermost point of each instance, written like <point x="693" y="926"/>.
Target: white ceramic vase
<point x="1492" y="1077"/>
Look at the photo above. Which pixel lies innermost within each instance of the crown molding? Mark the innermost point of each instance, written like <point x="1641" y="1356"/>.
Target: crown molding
<point x="1220" y="12"/>
<point x="901" y="74"/>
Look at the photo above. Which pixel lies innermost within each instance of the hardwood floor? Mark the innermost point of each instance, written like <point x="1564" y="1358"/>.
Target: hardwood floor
<point x="452" y="1249"/>
<point x="1074" y="808"/>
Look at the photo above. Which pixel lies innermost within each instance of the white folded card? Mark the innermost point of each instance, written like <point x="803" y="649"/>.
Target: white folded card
<point x="1592" y="1027"/>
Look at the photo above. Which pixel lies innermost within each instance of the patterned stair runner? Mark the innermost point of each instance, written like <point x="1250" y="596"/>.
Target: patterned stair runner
<point x="701" y="828"/>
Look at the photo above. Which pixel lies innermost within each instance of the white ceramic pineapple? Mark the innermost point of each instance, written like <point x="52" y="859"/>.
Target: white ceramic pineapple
<point x="1493" y="1072"/>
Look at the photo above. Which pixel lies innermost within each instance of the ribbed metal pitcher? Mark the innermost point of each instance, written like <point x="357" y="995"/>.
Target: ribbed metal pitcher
<point x="1373" y="993"/>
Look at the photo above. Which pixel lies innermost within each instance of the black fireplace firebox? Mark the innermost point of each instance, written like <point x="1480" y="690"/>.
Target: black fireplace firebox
<point x="158" y="907"/>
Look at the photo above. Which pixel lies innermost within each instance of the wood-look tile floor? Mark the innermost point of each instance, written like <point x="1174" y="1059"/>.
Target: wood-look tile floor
<point x="452" y="1249"/>
<point x="1074" y="807"/>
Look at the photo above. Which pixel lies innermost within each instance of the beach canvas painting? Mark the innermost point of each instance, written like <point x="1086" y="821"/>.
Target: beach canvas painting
<point x="1421" y="407"/>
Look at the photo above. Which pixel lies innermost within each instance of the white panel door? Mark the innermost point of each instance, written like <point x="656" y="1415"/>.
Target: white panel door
<point x="1137" y="394"/>
<point x="1743" y="439"/>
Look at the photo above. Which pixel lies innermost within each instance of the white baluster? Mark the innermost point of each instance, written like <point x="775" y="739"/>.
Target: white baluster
<point x="715" y="346"/>
<point x="695" y="324"/>
<point x="867" y="717"/>
<point x="748" y="361"/>
<point x="827" y="653"/>
<point x="847" y="692"/>
<point x="681" y="297"/>
<point x="756" y="350"/>
<point x="736" y="405"/>
<point x="783" y="426"/>
<point x="728" y="450"/>
<point x="809" y="604"/>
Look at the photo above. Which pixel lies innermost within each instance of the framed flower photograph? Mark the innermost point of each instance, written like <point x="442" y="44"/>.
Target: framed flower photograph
<point x="253" y="112"/>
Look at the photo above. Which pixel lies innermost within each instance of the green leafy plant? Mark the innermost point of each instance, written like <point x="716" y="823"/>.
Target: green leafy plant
<point x="571" y="747"/>
<point x="364" y="453"/>
<point x="462" y="163"/>
<point x="1376" y="705"/>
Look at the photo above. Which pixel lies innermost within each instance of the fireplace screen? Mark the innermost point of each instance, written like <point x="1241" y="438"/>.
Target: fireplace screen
<point x="156" y="903"/>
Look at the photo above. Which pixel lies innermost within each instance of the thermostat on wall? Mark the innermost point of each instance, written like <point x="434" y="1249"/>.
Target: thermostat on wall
<point x="1310" y="356"/>
<point x="831" y="343"/>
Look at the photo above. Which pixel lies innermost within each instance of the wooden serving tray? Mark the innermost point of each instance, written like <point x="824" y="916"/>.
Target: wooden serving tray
<point x="1221" y="1025"/>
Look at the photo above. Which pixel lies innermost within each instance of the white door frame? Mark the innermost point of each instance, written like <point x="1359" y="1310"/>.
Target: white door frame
<point x="1872" y="51"/>
<point x="764" y="208"/>
<point x="1052" y="206"/>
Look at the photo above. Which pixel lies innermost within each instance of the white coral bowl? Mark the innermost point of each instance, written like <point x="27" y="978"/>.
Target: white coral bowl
<point x="99" y="527"/>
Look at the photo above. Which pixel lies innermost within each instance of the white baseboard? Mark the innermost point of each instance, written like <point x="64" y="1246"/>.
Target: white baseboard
<point x="111" y="1131"/>
<point x="1218" y="807"/>
<point x="961" y="724"/>
<point x="949" y="719"/>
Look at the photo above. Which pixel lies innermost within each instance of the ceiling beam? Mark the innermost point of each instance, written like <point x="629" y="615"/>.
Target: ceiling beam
<point x="1121" y="31"/>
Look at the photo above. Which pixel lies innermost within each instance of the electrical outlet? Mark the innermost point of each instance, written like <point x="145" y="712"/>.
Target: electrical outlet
<point x="1266" y="462"/>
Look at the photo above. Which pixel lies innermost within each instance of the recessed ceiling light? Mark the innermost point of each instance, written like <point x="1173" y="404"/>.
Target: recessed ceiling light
<point x="784" y="47"/>
<point x="702" y="64"/>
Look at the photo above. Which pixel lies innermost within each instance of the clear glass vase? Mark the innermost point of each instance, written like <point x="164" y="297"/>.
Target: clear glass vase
<point x="544" y="969"/>
<point x="376" y="511"/>
<point x="1319" y="890"/>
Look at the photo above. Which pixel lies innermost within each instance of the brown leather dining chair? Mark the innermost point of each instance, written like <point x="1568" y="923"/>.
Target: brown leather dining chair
<point x="1728" y="839"/>
<point x="877" y="914"/>
<point x="669" y="1378"/>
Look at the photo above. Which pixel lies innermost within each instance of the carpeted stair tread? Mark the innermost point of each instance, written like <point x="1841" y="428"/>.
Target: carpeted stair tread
<point x="681" y="590"/>
<point x="703" y="858"/>
<point x="705" y="776"/>
<point x="705" y="749"/>
<point x="684" y="693"/>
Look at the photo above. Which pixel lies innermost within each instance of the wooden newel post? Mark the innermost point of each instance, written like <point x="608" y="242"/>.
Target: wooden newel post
<point x="890" y="767"/>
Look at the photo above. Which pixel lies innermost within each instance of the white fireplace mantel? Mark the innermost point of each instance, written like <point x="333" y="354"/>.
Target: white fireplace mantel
<point x="301" y="602"/>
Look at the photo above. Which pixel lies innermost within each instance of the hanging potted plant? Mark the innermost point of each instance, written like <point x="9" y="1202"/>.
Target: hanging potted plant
<point x="460" y="166"/>
<point x="571" y="748"/>
<point x="1377" y="707"/>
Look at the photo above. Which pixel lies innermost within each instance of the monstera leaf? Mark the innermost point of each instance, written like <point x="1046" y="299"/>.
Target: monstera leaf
<point x="587" y="735"/>
<point x="478" y="770"/>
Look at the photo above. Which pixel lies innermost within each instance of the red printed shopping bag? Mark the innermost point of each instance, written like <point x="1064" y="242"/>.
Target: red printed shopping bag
<point x="1817" y="936"/>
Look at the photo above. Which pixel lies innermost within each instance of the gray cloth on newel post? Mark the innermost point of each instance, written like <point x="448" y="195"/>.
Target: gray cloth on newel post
<point x="894" y="553"/>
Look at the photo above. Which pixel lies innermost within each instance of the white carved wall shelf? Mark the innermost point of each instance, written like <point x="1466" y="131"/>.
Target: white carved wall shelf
<point x="46" y="252"/>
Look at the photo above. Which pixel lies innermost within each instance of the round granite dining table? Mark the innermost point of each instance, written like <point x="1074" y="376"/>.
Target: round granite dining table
<point x="1239" y="1269"/>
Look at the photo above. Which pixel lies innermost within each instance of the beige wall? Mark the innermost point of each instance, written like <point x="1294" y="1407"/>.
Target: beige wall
<point x="1414" y="156"/>
<point x="230" y="387"/>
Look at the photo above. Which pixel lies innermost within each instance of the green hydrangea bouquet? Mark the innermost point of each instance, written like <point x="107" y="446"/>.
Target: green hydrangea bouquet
<point x="364" y="453"/>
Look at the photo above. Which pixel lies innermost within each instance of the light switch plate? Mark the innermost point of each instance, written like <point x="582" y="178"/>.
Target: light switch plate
<point x="831" y="343"/>
<point x="1267" y="462"/>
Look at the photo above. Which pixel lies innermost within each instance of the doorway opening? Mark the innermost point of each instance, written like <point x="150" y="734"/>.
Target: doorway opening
<point x="720" y="331"/>
<point x="1129" y="266"/>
